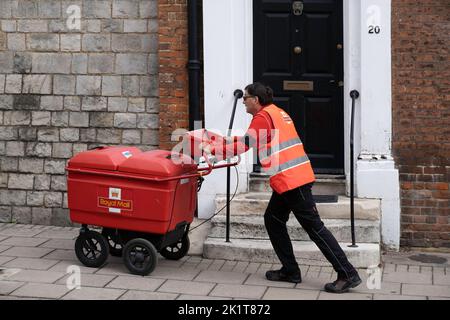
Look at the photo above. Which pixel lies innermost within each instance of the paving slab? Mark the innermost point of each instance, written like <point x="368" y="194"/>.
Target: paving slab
<point x="228" y="266"/>
<point x="252" y="267"/>
<point x="6" y="287"/>
<point x="86" y="293"/>
<point x="185" y="273"/>
<point x="377" y="296"/>
<point x="63" y="266"/>
<point x="187" y="287"/>
<point x="23" y="241"/>
<point x="27" y="252"/>
<point x="66" y="244"/>
<point x="19" y="232"/>
<point x="59" y="254"/>
<point x="439" y="271"/>
<point x="58" y="234"/>
<point x="90" y="280"/>
<point x="426" y="269"/>
<point x="194" y="297"/>
<point x="425" y="290"/>
<point x="290" y="294"/>
<point x="238" y="291"/>
<point x="36" y="276"/>
<point x="344" y="296"/>
<point x="5" y="259"/>
<point x="171" y="263"/>
<point x="144" y="295"/>
<point x="221" y="277"/>
<point x="118" y="269"/>
<point x="136" y="283"/>
<point x="386" y="288"/>
<point x="441" y="279"/>
<point x="408" y="277"/>
<point x="204" y="265"/>
<point x="414" y="269"/>
<point x="4" y="248"/>
<point x="31" y="263"/>
<point x="434" y="259"/>
<point x="39" y="290"/>
<point x="216" y="264"/>
<point x="240" y="266"/>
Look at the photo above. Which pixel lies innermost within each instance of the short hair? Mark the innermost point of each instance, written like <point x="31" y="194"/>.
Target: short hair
<point x="263" y="92"/>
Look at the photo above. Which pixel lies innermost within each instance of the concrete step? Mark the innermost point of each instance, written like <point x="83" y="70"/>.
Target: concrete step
<point x="325" y="184"/>
<point x="306" y="252"/>
<point x="367" y="231"/>
<point x="255" y="203"/>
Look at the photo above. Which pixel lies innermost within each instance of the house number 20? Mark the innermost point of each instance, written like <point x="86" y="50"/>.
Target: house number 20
<point x="374" y="29"/>
<point x="373" y="22"/>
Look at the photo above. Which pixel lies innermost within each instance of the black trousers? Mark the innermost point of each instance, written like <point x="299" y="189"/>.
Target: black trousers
<point x="300" y="201"/>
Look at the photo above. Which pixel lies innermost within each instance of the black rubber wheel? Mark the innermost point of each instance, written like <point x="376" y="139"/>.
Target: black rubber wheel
<point x="91" y="249"/>
<point x="114" y="242"/>
<point x="140" y="256"/>
<point x="177" y="250"/>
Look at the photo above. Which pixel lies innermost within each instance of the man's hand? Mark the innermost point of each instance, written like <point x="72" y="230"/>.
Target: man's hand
<point x="205" y="147"/>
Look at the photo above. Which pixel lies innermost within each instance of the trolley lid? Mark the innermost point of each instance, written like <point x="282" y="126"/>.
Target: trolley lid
<point x="105" y="158"/>
<point x="160" y="163"/>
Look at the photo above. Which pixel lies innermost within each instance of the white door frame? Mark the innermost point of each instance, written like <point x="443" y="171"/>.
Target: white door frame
<point x="228" y="65"/>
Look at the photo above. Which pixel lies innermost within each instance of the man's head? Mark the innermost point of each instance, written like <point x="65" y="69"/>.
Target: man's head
<point x="257" y="96"/>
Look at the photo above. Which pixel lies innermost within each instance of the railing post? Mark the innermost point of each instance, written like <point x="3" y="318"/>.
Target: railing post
<point x="354" y="94"/>
<point x="237" y="95"/>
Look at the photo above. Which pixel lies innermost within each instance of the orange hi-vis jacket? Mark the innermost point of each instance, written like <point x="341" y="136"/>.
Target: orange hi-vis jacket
<point x="284" y="157"/>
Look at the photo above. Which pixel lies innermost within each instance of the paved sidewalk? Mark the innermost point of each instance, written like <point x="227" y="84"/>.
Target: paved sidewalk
<point x="36" y="261"/>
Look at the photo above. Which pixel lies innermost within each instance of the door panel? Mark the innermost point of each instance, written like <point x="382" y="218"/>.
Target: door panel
<point x="306" y="47"/>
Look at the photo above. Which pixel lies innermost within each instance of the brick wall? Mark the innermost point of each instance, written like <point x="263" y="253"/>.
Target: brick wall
<point x="65" y="90"/>
<point x="421" y="119"/>
<point x="173" y="73"/>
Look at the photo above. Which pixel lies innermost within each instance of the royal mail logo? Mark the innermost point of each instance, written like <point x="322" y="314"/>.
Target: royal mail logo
<point x="115" y="204"/>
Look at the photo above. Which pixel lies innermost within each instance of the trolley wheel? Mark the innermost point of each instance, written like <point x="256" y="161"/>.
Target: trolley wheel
<point x="114" y="242"/>
<point x="177" y="250"/>
<point x="91" y="249"/>
<point x="140" y="256"/>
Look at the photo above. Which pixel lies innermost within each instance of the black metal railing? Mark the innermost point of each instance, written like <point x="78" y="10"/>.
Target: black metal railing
<point x="354" y="94"/>
<point x="237" y="95"/>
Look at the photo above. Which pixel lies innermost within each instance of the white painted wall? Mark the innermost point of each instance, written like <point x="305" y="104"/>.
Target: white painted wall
<point x="228" y="45"/>
<point x="228" y="31"/>
<point x="376" y="176"/>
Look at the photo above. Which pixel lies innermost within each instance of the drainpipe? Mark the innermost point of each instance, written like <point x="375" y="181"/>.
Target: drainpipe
<point x="193" y="64"/>
<point x="193" y="70"/>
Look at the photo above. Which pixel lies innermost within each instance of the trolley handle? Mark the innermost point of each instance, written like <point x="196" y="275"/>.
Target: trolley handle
<point x="199" y="173"/>
<point x="153" y="179"/>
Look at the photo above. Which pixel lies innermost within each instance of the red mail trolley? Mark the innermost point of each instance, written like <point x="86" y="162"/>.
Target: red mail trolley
<point x="143" y="201"/>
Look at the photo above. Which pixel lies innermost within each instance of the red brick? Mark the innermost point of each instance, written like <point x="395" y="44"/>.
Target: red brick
<point x="420" y="95"/>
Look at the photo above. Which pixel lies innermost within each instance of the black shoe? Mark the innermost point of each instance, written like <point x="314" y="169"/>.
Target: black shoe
<point x="278" y="275"/>
<point x="343" y="285"/>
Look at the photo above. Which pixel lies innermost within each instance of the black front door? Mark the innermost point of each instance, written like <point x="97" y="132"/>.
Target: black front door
<point x="298" y="52"/>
